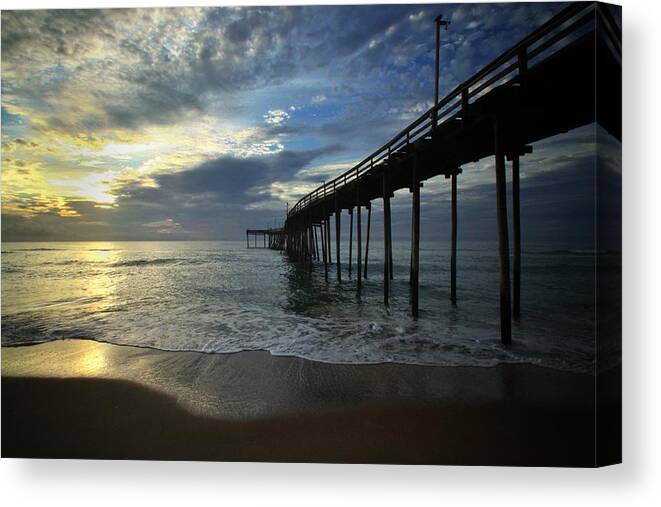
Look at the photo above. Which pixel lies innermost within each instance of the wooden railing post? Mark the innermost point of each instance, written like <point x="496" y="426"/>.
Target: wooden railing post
<point x="464" y="105"/>
<point x="523" y="60"/>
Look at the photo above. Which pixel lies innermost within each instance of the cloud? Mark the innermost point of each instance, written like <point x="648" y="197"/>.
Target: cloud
<point x="218" y="198"/>
<point x="276" y="116"/>
<point x="19" y="143"/>
<point x="167" y="226"/>
<point x="116" y="119"/>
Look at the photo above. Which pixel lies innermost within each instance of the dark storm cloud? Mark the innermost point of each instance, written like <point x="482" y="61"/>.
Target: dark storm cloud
<point x="224" y="180"/>
<point x="159" y="103"/>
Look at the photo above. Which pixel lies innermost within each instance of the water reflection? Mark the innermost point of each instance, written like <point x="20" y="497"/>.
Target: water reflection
<point x="219" y="296"/>
<point x="92" y="362"/>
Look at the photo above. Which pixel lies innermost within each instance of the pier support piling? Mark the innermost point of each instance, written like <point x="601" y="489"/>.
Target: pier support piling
<point x="308" y="231"/>
<point x="328" y="240"/>
<point x="386" y="239"/>
<point x="350" y="237"/>
<point x="359" y="247"/>
<point x="412" y="239"/>
<point x="390" y="261"/>
<point x="453" y="248"/>
<point x="503" y="237"/>
<point x="324" y="247"/>
<point x="367" y="240"/>
<point x="415" y="234"/>
<point x="516" y="227"/>
<point x="337" y="240"/>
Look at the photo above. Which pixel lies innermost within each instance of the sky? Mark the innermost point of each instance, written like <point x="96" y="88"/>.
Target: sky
<point x="197" y="123"/>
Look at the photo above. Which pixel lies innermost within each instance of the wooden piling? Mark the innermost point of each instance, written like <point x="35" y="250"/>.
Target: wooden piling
<point x="328" y="241"/>
<point x="503" y="237"/>
<point x="350" y="237"/>
<point x="412" y="239"/>
<point x="453" y="248"/>
<point x="516" y="217"/>
<point x="337" y="240"/>
<point x="324" y="247"/>
<point x="367" y="240"/>
<point x="316" y="244"/>
<point x="415" y="234"/>
<point x="359" y="265"/>
<point x="359" y="245"/>
<point x="313" y="257"/>
<point x="386" y="239"/>
<point x="311" y="243"/>
<point x="391" y="271"/>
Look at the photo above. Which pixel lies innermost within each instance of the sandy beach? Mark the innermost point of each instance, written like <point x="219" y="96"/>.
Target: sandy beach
<point x="83" y="399"/>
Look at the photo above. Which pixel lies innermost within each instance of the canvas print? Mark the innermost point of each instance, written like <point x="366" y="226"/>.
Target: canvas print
<point x="348" y="233"/>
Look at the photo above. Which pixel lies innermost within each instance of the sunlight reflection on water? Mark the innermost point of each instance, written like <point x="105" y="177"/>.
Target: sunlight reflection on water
<point x="222" y="297"/>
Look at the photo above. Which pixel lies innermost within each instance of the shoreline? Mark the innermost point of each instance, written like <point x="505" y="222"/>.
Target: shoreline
<point x="87" y="399"/>
<point x="294" y="356"/>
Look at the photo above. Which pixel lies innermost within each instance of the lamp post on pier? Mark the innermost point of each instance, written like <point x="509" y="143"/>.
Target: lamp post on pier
<point x="439" y="23"/>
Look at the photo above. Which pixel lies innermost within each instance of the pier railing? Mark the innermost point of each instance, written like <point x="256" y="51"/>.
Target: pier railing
<point x="549" y="38"/>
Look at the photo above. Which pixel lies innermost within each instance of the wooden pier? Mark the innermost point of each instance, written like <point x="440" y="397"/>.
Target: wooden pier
<point x="563" y="75"/>
<point x="270" y="238"/>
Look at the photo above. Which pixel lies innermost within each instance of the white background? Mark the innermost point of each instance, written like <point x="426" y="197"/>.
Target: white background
<point x="636" y="482"/>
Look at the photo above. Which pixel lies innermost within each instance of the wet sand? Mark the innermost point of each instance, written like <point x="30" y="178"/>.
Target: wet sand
<point x="83" y="399"/>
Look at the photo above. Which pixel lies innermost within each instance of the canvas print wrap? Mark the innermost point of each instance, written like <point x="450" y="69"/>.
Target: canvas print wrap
<point x="354" y="234"/>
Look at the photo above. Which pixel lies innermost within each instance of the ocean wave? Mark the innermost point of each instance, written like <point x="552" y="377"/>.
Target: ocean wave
<point x="146" y="262"/>
<point x="235" y="302"/>
<point x="443" y="359"/>
<point x="41" y="249"/>
<point x="68" y="262"/>
<point x="322" y="339"/>
<point x="11" y="269"/>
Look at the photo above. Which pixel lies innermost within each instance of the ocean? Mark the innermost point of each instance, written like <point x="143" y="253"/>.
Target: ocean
<point x="219" y="296"/>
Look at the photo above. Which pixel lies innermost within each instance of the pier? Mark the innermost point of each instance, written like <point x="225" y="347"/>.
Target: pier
<point x="270" y="238"/>
<point x="564" y="75"/>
